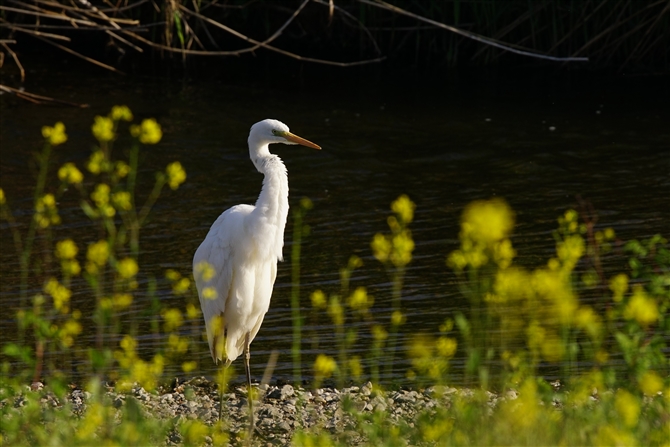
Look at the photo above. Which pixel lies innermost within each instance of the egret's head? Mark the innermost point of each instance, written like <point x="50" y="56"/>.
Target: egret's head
<point x="272" y="131"/>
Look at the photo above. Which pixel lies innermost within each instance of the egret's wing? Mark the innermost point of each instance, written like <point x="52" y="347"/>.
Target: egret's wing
<point x="213" y="267"/>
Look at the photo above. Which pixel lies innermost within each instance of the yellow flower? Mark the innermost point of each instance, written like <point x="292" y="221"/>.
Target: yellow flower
<point x="122" y="169"/>
<point x="97" y="163"/>
<point x="359" y="300"/>
<point x="66" y="249"/>
<point x="121" y="300"/>
<point x="101" y="197"/>
<point x="397" y="318"/>
<point x="173" y="319"/>
<point x="641" y="308"/>
<point x="488" y="221"/>
<point x="127" y="268"/>
<point x="181" y="287"/>
<point x="177" y="344"/>
<point x="403" y="245"/>
<point x="46" y="213"/>
<point x="619" y="286"/>
<point x="318" y="299"/>
<point x="324" y="366"/>
<point x="379" y="333"/>
<point x="187" y="367"/>
<point x="55" y="135"/>
<point x="628" y="408"/>
<point x="355" y="367"/>
<point x="121" y="200"/>
<point x="588" y="320"/>
<point x="103" y="129"/>
<point x="3" y="199"/>
<point x="446" y="346"/>
<point x="67" y="332"/>
<point x="651" y="383"/>
<point x="404" y="208"/>
<point x="335" y="311"/>
<point x="60" y="294"/>
<point x="381" y="247"/>
<point x="70" y="174"/>
<point x="121" y="113"/>
<point x="192" y="311"/>
<point x="97" y="255"/>
<point x="176" y="175"/>
<point x="149" y="132"/>
<point x="205" y="270"/>
<point x="209" y="293"/>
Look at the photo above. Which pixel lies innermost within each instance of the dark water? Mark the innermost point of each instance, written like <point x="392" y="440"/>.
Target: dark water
<point x="444" y="144"/>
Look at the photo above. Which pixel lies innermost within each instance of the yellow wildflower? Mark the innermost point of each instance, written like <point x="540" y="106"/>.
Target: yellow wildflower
<point x="355" y="367"/>
<point x="404" y="208"/>
<point x="324" y="366"/>
<point x="103" y="129"/>
<point x="619" y="286"/>
<point x="397" y="318"/>
<point x="97" y="163"/>
<point x="121" y="200"/>
<point x="69" y="173"/>
<point x="46" y="212"/>
<point x="177" y="344"/>
<point x="359" y="300"/>
<point x="121" y="113"/>
<point x="403" y="245"/>
<point x="3" y="199"/>
<point x="55" y="135"/>
<point x="60" y="294"/>
<point x="192" y="311"/>
<point x="641" y="308"/>
<point x="176" y="175"/>
<point x="381" y="247"/>
<point x="209" y="293"/>
<point x="379" y="333"/>
<point x="173" y="319"/>
<point x="205" y="270"/>
<point x="121" y="300"/>
<point x="122" y="169"/>
<point x="149" y="132"/>
<point x="503" y="253"/>
<point x="187" y="367"/>
<point x="488" y="221"/>
<point x="628" y="408"/>
<point x="66" y="249"/>
<point x="67" y="332"/>
<point x="335" y="311"/>
<point x="181" y="287"/>
<point x="446" y="346"/>
<point x="127" y="268"/>
<point x="651" y="383"/>
<point x="97" y="255"/>
<point x="318" y="299"/>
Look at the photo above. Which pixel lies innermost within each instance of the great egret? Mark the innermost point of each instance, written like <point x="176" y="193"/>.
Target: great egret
<point x="236" y="265"/>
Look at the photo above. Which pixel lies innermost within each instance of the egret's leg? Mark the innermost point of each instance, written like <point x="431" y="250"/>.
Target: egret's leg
<point x="222" y="385"/>
<point x="250" y="400"/>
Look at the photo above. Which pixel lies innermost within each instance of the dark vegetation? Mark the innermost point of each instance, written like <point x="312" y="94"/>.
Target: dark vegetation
<point x="122" y="35"/>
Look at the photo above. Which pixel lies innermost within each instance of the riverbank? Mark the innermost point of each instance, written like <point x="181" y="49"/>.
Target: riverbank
<point x="280" y="411"/>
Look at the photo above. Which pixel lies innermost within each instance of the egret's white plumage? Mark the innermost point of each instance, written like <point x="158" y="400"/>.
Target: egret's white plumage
<point x="236" y="265"/>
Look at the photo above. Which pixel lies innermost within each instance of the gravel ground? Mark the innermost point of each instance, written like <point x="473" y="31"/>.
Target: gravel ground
<point x="279" y="411"/>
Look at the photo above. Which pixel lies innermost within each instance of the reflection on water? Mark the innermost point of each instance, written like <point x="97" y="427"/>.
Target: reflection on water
<point x="443" y="150"/>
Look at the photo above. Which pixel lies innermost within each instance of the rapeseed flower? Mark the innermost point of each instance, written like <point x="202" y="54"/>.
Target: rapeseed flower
<point x="641" y="308"/>
<point x="404" y="208"/>
<point x="55" y="135"/>
<point x="359" y="300"/>
<point x="487" y="221"/>
<point x="650" y="383"/>
<point x="97" y="255"/>
<point x="66" y="249"/>
<point x="122" y="200"/>
<point x="127" y="268"/>
<point x="318" y="299"/>
<point x="46" y="212"/>
<point x="3" y="199"/>
<point x="173" y="319"/>
<point x="628" y="408"/>
<point x="176" y="175"/>
<point x="69" y="173"/>
<point x="119" y="113"/>
<point x="148" y="132"/>
<point x="60" y="294"/>
<point x="324" y="366"/>
<point x="103" y="129"/>
<point x="619" y="285"/>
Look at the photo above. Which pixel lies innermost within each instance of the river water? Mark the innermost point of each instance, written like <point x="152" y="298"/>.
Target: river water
<point x="540" y="144"/>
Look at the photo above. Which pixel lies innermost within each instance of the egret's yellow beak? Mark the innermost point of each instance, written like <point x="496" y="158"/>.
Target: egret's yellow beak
<point x="299" y="140"/>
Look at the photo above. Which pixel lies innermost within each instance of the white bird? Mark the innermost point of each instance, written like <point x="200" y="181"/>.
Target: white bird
<point x="236" y="265"/>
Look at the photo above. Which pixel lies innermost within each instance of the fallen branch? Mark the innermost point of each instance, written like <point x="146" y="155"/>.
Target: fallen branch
<point x="38" y="99"/>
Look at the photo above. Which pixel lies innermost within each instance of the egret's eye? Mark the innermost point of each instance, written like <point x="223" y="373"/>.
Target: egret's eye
<point x="274" y="132"/>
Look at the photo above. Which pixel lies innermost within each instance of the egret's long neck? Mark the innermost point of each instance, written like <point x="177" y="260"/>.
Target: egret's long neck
<point x="272" y="203"/>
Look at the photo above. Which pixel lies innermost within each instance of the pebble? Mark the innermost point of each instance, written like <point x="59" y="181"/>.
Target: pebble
<point x="280" y="411"/>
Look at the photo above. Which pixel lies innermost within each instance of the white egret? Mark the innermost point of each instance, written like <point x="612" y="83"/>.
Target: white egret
<point x="236" y="265"/>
